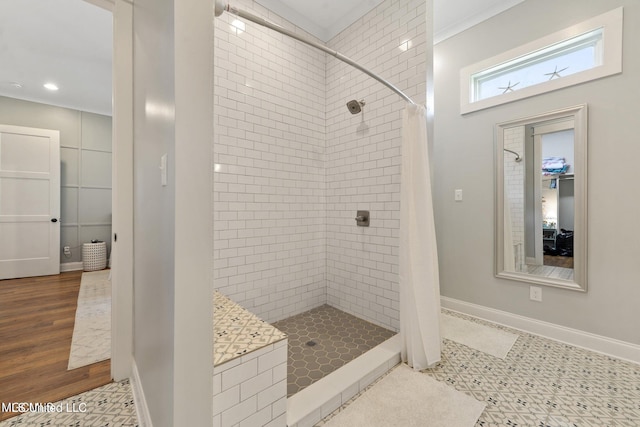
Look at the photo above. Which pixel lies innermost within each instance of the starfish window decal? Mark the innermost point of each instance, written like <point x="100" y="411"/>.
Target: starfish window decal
<point x="509" y="87"/>
<point x="555" y="73"/>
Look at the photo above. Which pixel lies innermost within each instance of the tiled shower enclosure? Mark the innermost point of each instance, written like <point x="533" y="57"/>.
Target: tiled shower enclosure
<point x="292" y="166"/>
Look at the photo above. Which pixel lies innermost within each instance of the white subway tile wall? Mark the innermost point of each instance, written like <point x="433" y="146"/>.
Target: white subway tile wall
<point x="251" y="391"/>
<point x="269" y="186"/>
<point x="292" y="165"/>
<point x="514" y="182"/>
<point x="364" y="158"/>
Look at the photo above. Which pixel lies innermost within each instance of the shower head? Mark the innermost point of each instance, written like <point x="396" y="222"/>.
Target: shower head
<point x="355" y="106"/>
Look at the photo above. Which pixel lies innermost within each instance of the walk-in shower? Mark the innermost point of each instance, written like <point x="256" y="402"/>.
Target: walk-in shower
<point x="292" y="169"/>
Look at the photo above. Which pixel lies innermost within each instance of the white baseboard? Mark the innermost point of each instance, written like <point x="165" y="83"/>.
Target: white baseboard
<point x="598" y="343"/>
<point x="144" y="418"/>
<point x="70" y="266"/>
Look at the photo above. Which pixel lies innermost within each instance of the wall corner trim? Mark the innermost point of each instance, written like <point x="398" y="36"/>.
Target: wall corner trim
<point x="140" y="402"/>
<point x="586" y="340"/>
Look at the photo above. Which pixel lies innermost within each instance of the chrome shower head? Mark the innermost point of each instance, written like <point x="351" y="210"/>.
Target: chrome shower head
<point x="355" y="106"/>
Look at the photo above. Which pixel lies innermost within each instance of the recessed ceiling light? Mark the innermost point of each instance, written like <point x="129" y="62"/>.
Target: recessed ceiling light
<point x="50" y="86"/>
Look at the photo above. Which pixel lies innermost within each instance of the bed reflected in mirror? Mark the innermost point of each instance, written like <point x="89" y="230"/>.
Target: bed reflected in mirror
<point x="541" y="199"/>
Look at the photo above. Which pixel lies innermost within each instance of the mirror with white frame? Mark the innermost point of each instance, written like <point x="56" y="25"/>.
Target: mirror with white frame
<point x="541" y="199"/>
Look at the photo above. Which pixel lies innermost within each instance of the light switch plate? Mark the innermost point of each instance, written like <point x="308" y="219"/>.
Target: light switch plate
<point x="457" y="195"/>
<point x="163" y="170"/>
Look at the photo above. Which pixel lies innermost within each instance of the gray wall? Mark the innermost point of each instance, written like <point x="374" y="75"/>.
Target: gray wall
<point x="173" y="234"/>
<point x="464" y="158"/>
<point x="154" y="135"/>
<point x="85" y="156"/>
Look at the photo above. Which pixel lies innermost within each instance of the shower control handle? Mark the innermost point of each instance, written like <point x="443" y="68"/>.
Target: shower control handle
<point x="362" y="218"/>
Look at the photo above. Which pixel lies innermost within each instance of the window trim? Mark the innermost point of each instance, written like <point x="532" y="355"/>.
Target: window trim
<point x="611" y="25"/>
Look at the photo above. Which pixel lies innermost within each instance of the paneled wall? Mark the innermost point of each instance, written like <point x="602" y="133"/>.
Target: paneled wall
<point x="86" y="186"/>
<point x="85" y="170"/>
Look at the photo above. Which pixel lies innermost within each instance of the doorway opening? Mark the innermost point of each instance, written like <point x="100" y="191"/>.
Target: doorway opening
<point x="84" y="213"/>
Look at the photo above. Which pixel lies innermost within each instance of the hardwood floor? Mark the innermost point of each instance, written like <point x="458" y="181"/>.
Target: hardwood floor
<point x="558" y="261"/>
<point x="36" y="324"/>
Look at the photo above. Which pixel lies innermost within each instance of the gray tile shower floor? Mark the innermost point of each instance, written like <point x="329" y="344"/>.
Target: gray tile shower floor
<point x="323" y="339"/>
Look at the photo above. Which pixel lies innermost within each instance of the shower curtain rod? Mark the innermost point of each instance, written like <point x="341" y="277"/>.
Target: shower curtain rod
<point x="221" y="6"/>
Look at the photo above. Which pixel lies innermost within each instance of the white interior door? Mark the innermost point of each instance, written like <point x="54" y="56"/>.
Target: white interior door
<point x="29" y="202"/>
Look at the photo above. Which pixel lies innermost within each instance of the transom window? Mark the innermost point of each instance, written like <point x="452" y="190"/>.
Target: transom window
<point x="593" y="50"/>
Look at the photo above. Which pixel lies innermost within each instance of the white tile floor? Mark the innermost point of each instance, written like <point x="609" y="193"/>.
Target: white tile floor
<point x="541" y="383"/>
<point x="107" y="406"/>
<point x="544" y="383"/>
<point x="550" y="271"/>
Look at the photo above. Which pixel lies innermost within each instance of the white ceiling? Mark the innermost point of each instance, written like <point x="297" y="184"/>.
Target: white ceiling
<point x="322" y="18"/>
<point x="327" y="18"/>
<point x="69" y="42"/>
<point x="66" y="42"/>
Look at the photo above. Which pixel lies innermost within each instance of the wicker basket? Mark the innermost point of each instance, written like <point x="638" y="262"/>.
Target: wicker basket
<point x="94" y="256"/>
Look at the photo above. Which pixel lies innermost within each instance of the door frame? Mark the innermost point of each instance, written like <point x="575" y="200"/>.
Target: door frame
<point x="122" y="198"/>
<point x="122" y="184"/>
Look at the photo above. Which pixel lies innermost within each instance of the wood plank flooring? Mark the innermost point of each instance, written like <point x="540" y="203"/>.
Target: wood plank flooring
<point x="36" y="324"/>
<point x="558" y="261"/>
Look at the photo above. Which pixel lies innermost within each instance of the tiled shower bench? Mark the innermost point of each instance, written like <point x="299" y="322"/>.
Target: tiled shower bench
<point x="249" y="369"/>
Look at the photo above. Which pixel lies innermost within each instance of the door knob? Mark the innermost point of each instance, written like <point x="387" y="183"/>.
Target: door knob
<point x="54" y="219"/>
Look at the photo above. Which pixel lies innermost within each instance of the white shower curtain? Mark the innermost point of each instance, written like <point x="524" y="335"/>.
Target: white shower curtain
<point x="418" y="257"/>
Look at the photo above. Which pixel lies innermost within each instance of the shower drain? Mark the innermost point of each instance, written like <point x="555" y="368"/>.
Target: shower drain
<point x="311" y="343"/>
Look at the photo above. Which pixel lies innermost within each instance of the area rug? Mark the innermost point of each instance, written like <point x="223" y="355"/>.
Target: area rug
<point x="480" y="337"/>
<point x="408" y="398"/>
<point x="91" y="340"/>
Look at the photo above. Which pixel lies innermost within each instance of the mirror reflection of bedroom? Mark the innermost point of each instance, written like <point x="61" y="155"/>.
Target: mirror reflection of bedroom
<point x="551" y="194"/>
<point x="541" y="221"/>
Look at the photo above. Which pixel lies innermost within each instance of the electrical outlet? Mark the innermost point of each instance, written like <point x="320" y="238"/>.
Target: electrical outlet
<point x="66" y="250"/>
<point x="535" y="293"/>
<point x="457" y="195"/>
